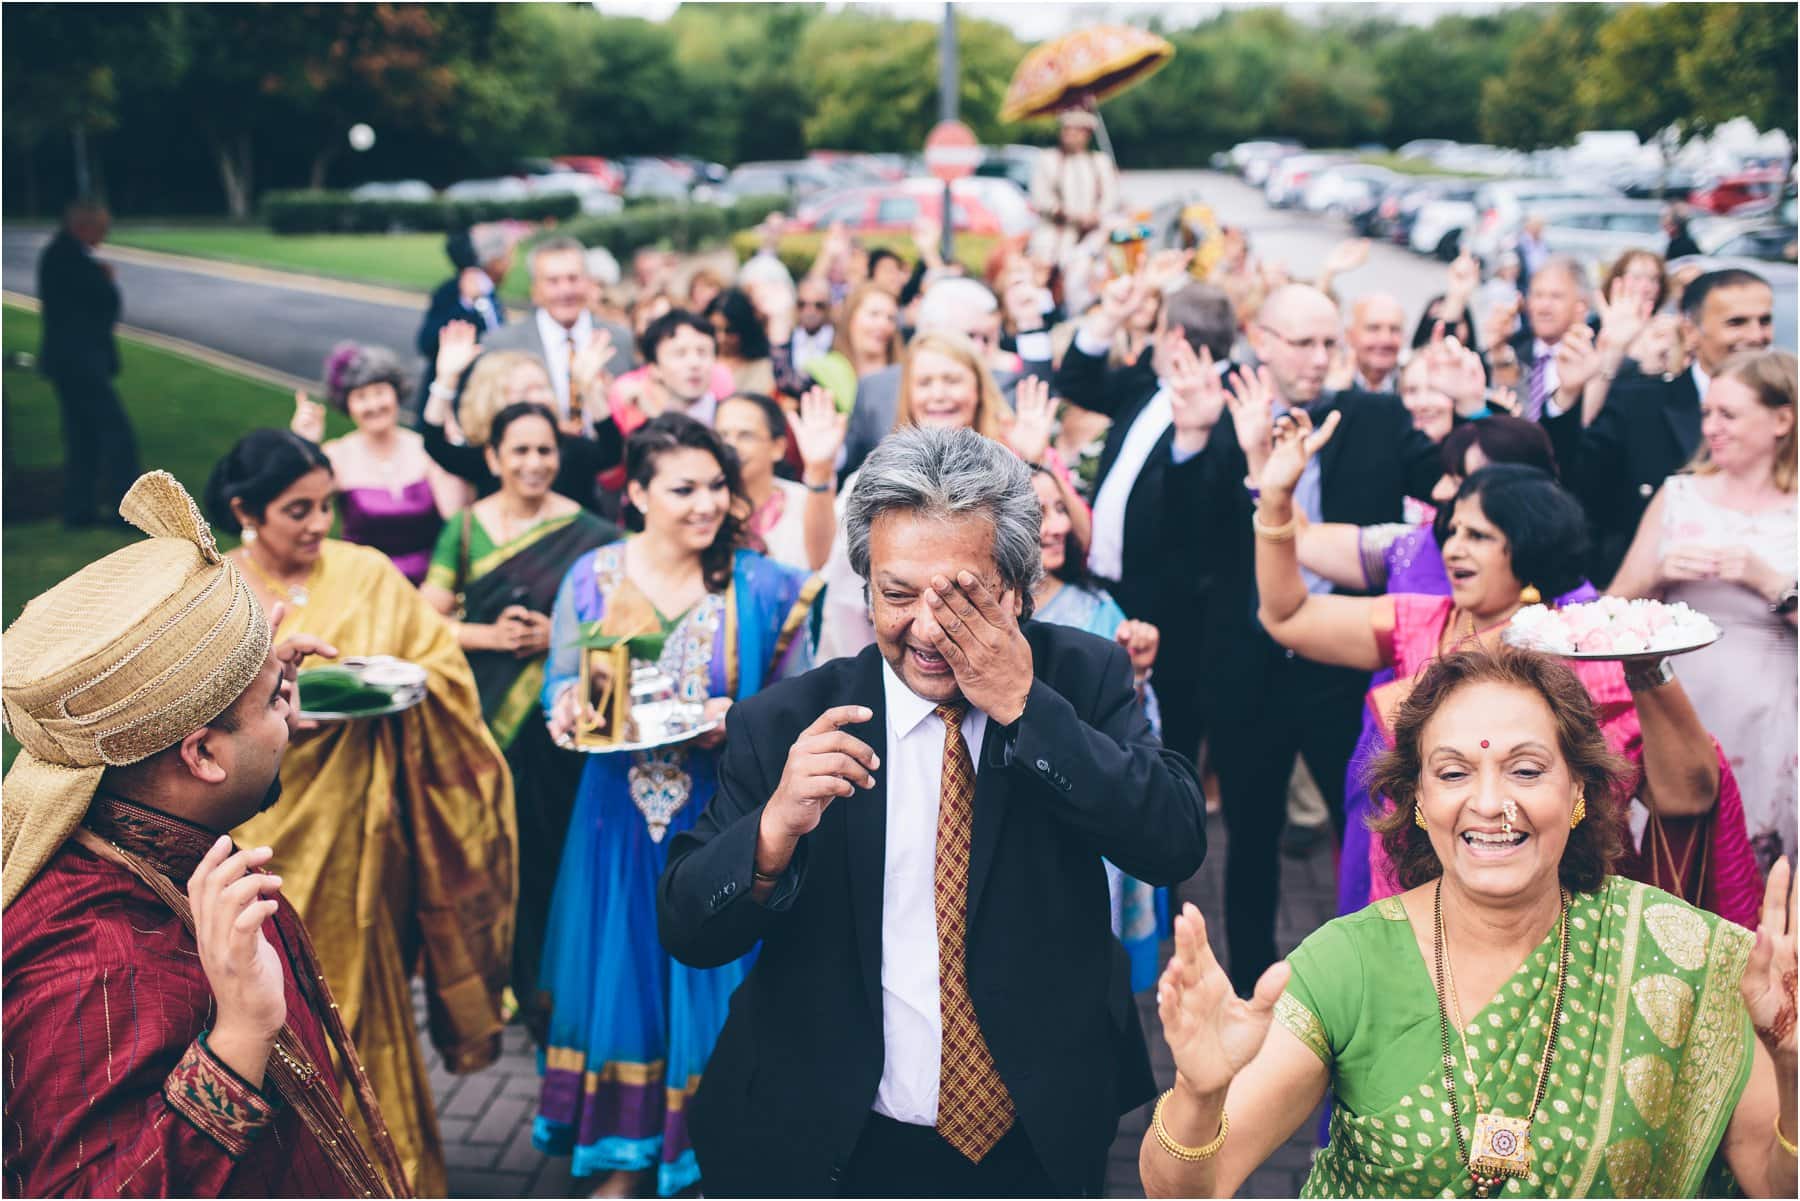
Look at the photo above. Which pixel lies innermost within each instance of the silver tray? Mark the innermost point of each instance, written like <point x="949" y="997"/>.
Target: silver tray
<point x="568" y="741"/>
<point x="1523" y="643"/>
<point x="404" y="699"/>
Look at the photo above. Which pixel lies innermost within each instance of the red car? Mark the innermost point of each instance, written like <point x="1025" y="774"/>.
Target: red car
<point x="1746" y="192"/>
<point x="603" y="169"/>
<point x="976" y="207"/>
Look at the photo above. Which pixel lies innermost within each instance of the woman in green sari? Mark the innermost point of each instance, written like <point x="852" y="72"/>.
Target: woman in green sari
<point x="496" y="570"/>
<point x="1518" y="1022"/>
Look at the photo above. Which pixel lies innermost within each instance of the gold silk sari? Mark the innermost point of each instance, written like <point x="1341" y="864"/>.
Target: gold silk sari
<point x="396" y="840"/>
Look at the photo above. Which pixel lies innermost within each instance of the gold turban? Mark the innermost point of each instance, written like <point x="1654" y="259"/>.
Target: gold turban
<point x="125" y="658"/>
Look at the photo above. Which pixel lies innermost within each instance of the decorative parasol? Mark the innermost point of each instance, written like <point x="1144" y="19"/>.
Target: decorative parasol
<point x="1080" y="69"/>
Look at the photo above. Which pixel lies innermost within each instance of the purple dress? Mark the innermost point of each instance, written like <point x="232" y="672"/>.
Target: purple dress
<point x="403" y="527"/>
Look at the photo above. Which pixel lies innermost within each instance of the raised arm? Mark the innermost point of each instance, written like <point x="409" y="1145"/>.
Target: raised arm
<point x="819" y="429"/>
<point x="1326" y="629"/>
<point x="1681" y="761"/>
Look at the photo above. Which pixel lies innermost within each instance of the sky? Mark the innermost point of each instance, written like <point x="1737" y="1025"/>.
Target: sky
<point x="1035" y="20"/>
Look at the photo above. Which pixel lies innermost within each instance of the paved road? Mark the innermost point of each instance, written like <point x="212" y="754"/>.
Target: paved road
<point x="486" y="1117"/>
<point x="292" y="330"/>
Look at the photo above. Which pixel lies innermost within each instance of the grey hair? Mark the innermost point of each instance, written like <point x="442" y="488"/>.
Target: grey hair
<point x="954" y="304"/>
<point x="1572" y="269"/>
<point x="943" y="473"/>
<point x="557" y="244"/>
<point x="352" y="366"/>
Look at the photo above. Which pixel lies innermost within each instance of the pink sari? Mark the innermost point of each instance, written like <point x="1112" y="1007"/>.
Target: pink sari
<point x="1705" y="860"/>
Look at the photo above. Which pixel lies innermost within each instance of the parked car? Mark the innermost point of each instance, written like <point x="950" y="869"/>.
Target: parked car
<point x="1393" y="217"/>
<point x="1598" y="231"/>
<point x="1439" y="227"/>
<point x="979" y="206"/>
<point x="1745" y="192"/>
<point x="797" y="179"/>
<point x="656" y="179"/>
<point x="398" y="189"/>
<point x="1501" y="208"/>
<point x="1287" y="182"/>
<point x="1769" y="238"/>
<point x="596" y="198"/>
<point x="1013" y="163"/>
<point x="1673" y="183"/>
<point x="1260" y="163"/>
<point x="1346" y="188"/>
<point x="1240" y="155"/>
<point x="603" y="169"/>
<point x="509" y="187"/>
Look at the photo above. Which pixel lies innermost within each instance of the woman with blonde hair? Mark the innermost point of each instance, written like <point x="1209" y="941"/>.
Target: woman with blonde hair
<point x="946" y="384"/>
<point x="1720" y="537"/>
<point x="866" y="338"/>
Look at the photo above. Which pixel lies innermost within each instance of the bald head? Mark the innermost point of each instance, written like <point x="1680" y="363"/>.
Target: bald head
<point x="1376" y="333"/>
<point x="1295" y="336"/>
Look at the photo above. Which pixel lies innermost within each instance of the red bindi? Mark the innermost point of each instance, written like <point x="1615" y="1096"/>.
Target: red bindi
<point x="1484" y="744"/>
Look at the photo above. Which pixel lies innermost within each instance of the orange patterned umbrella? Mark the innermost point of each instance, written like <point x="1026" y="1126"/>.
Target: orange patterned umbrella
<point x="1082" y="68"/>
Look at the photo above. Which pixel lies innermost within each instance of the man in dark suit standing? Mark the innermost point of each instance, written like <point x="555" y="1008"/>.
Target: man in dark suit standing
<point x="1556" y="310"/>
<point x="939" y="1007"/>
<point x="482" y="256"/>
<point x="80" y="307"/>
<point x="1649" y="427"/>
<point x="1145" y="545"/>
<point x="1264" y="705"/>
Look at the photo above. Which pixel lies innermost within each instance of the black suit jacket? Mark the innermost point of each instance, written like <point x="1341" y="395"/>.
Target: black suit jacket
<point x="794" y="1075"/>
<point x="1165" y="576"/>
<point x="80" y="306"/>
<point x="446" y="306"/>
<point x="1647" y="432"/>
<point x="1374" y="460"/>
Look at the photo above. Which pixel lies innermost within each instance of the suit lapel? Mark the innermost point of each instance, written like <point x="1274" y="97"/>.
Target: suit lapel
<point x="1328" y="454"/>
<point x="865" y="828"/>
<point x="993" y="795"/>
<point x="1682" y="412"/>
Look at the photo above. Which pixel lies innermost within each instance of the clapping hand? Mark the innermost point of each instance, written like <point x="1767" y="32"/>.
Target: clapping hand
<point x="309" y="418"/>
<point x="1196" y="395"/>
<point x="1577" y="362"/>
<point x="1462" y="278"/>
<point x="457" y="348"/>
<point x="1768" y="984"/>
<point x="1454" y="370"/>
<point x="819" y="429"/>
<point x="1624" y="314"/>
<point x="230" y="902"/>
<point x="1034" y="419"/>
<point x="1252" y="401"/>
<point x="1294" y="443"/>
<point x="1347" y="255"/>
<point x="1212" y="1034"/>
<point x="976" y="629"/>
<point x="1502" y="319"/>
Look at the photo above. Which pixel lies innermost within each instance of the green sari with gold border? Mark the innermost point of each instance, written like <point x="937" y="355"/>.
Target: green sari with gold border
<point x="1655" y="1050"/>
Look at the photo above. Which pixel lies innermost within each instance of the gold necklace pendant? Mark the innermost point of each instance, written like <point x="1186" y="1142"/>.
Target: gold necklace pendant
<point x="1502" y="1145"/>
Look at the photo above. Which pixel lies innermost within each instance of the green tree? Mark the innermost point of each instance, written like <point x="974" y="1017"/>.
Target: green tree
<point x="1431" y="77"/>
<point x="1637" y="45"/>
<point x="1533" y="104"/>
<point x="1742" y="64"/>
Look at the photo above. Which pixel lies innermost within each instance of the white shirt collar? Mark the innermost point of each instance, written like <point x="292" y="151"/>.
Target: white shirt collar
<point x="555" y="335"/>
<point x="905" y="708"/>
<point x="1702" y="381"/>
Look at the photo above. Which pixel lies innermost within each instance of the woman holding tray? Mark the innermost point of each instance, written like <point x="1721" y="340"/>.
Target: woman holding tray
<point x="1513" y="537"/>
<point x="630" y="1029"/>
<point x="495" y="573"/>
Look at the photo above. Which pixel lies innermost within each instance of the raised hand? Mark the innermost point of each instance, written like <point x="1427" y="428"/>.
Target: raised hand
<point x="1769" y="979"/>
<point x="1294" y="443"/>
<point x="1164" y="267"/>
<point x="457" y="348"/>
<point x="230" y="902"/>
<point x="1454" y="370"/>
<point x="309" y="418"/>
<point x="1347" y="255"/>
<point x="1252" y="401"/>
<point x="1624" y="314"/>
<point x="1196" y="395"/>
<point x="1462" y="278"/>
<point x="823" y="764"/>
<point x="1577" y="362"/>
<point x="977" y="632"/>
<point x="1212" y="1034"/>
<point x="1119" y="299"/>
<point x="1501" y="320"/>
<point x="1034" y="419"/>
<point x="819" y="429"/>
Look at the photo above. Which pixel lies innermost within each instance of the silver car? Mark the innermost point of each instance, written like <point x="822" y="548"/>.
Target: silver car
<point x="1597" y="232"/>
<point x="1500" y="209"/>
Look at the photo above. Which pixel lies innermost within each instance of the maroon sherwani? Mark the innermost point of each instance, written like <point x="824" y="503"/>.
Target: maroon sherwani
<point x="109" y="1088"/>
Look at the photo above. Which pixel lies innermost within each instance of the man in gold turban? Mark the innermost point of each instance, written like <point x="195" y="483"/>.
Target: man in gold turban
<point x="168" y="1031"/>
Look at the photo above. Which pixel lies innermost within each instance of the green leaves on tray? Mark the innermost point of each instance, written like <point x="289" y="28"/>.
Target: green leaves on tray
<point x="335" y="690"/>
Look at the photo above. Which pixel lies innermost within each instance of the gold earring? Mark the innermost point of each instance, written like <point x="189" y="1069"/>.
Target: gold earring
<point x="1419" y="817"/>
<point x="1529" y="595"/>
<point x="1580" y="812"/>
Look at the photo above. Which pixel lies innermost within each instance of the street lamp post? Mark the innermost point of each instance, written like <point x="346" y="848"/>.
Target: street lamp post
<point x="947" y="111"/>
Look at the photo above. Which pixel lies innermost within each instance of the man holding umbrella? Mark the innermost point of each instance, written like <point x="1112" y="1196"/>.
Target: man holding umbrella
<point x="1073" y="187"/>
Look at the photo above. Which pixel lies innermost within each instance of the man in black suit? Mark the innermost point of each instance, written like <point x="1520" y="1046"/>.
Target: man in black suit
<point x="1263" y="705"/>
<point x="1144" y="551"/>
<point x="1649" y="426"/>
<point x="939" y="1007"/>
<point x="482" y="256"/>
<point x="80" y="307"/>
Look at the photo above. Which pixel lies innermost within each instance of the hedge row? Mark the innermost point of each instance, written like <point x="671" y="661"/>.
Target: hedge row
<point x="302" y="212"/>
<point x="798" y="250"/>
<point x="681" y="227"/>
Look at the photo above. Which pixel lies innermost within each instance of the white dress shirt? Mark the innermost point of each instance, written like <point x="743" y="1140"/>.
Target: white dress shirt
<point x="912" y="1022"/>
<point x="1106" y="557"/>
<point x="556" y="341"/>
<point x="803" y="347"/>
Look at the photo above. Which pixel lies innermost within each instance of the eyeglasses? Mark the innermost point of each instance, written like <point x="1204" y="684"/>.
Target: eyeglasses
<point x="1328" y="345"/>
<point x="814" y="304"/>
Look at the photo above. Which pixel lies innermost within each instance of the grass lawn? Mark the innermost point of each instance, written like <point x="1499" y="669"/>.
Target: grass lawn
<point x="415" y="262"/>
<point x="1416" y="166"/>
<point x="187" y="416"/>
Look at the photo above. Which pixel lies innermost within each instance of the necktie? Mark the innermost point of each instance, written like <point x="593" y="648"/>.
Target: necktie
<point x="1539" y="394"/>
<point x="573" y="402"/>
<point x="974" y="1110"/>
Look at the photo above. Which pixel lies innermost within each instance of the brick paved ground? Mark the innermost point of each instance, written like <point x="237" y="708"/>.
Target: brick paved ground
<point x="486" y="1117"/>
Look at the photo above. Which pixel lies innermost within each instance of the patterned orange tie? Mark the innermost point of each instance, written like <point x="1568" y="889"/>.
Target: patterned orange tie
<point x="974" y="1110"/>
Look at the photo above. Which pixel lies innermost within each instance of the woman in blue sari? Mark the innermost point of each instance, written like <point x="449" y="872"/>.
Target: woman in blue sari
<point x="630" y="1029"/>
<point x="1068" y="596"/>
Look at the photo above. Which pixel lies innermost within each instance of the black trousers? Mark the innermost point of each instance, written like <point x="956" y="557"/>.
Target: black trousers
<point x="100" y="457"/>
<point x="1258" y="727"/>
<point x="895" y="1159"/>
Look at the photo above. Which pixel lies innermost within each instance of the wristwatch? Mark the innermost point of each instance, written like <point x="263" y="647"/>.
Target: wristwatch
<point x="1787" y="602"/>
<point x="1642" y="677"/>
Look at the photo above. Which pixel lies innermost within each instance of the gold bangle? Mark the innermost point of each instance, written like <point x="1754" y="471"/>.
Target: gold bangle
<point x="1785" y="1145"/>
<point x="1274" y="533"/>
<point x="1189" y="1154"/>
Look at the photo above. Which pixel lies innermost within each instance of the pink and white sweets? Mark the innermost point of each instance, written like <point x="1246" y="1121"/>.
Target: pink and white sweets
<point x="1611" y="625"/>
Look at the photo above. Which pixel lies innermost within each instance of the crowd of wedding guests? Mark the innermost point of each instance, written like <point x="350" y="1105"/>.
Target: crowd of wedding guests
<point x="1305" y="523"/>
